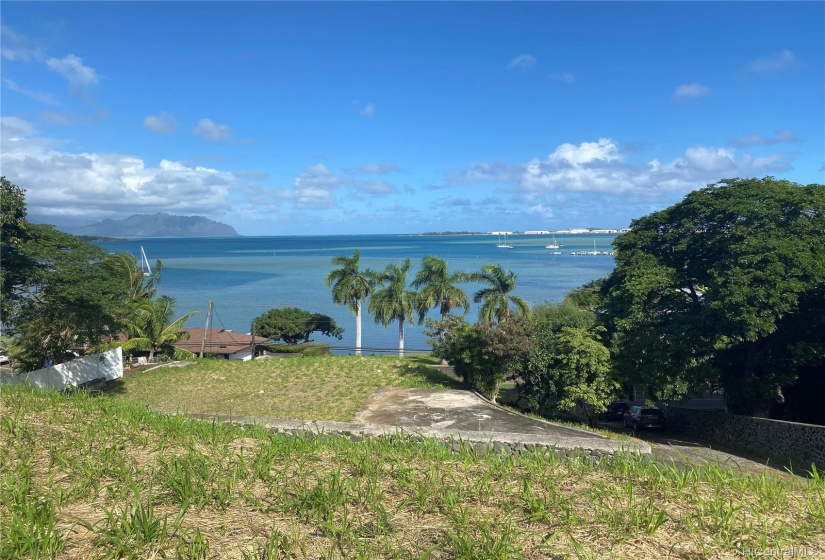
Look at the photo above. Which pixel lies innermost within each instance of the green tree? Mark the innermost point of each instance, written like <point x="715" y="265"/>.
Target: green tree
<point x="156" y="331"/>
<point x="392" y="301"/>
<point x="62" y="296"/>
<point x="437" y="288"/>
<point x="497" y="298"/>
<point x="13" y="235"/>
<point x="486" y="354"/>
<point x="350" y="286"/>
<point x="700" y="288"/>
<point x="293" y="325"/>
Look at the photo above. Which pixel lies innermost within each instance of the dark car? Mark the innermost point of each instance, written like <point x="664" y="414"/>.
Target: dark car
<point x="615" y="411"/>
<point x="644" y="417"/>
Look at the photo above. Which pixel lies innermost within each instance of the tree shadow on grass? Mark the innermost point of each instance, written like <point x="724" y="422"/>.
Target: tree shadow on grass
<point x="432" y="374"/>
<point x="113" y="387"/>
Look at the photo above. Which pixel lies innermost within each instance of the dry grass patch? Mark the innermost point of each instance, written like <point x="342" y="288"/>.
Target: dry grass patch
<point x="330" y="388"/>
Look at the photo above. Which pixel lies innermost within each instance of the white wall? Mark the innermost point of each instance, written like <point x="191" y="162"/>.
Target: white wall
<point x="108" y="366"/>
<point x="244" y="355"/>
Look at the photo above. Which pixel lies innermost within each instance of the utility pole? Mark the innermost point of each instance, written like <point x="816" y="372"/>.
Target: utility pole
<point x="206" y="327"/>
<point x="253" y="340"/>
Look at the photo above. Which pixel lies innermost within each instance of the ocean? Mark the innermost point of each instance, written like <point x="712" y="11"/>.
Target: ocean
<point x="247" y="276"/>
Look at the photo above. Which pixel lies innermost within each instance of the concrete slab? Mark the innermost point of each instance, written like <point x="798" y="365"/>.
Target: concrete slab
<point x="453" y="417"/>
<point x="456" y="411"/>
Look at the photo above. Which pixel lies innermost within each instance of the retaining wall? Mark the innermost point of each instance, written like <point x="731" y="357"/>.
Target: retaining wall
<point x="803" y="444"/>
<point x="82" y="371"/>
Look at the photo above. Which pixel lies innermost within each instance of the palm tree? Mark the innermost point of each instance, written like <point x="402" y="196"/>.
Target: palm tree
<point x="393" y="301"/>
<point x="438" y="288"/>
<point x="497" y="298"/>
<point x="154" y="329"/>
<point x="350" y="286"/>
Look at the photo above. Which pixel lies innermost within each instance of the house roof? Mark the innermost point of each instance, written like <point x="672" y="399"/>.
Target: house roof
<point x="218" y="341"/>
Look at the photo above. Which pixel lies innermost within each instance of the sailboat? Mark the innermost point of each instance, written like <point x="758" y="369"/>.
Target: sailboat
<point x="144" y="264"/>
<point x="553" y="245"/>
<point x="502" y="239"/>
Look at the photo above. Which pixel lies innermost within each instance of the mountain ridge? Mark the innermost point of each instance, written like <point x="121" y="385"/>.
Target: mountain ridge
<point x="159" y="224"/>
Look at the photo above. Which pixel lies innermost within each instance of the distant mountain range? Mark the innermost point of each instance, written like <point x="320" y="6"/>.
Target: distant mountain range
<point x="157" y="225"/>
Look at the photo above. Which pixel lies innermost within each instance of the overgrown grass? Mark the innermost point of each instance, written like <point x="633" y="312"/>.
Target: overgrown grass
<point x="86" y="476"/>
<point x="306" y="388"/>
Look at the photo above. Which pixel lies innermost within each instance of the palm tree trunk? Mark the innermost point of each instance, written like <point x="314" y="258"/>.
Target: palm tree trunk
<point x="358" y="327"/>
<point x="401" y="338"/>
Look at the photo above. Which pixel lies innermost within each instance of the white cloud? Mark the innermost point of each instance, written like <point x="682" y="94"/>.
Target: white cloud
<point x="779" y="62"/>
<point x="565" y="77"/>
<point x="17" y="47"/>
<point x="781" y="137"/>
<point x="93" y="186"/>
<point x="72" y="68"/>
<point x="15" y="128"/>
<point x="544" y="212"/>
<point x="89" y="117"/>
<point x="522" y="62"/>
<point x="56" y="118"/>
<point x="604" y="150"/>
<point x="368" y="110"/>
<point x="377" y="168"/>
<point x="250" y="174"/>
<point x="45" y="98"/>
<point x="213" y="131"/>
<point x="164" y="123"/>
<point x="687" y="92"/>
<point x="601" y="167"/>
<point x="455" y="202"/>
<point x="376" y="188"/>
<point x="496" y="172"/>
<point x="314" y="187"/>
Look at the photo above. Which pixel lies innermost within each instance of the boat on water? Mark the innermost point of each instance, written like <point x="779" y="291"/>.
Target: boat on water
<point x="502" y="239"/>
<point x="594" y="253"/>
<point x="553" y="245"/>
<point x="144" y="263"/>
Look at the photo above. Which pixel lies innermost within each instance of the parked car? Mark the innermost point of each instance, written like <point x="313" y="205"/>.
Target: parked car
<point x="615" y="411"/>
<point x="644" y="417"/>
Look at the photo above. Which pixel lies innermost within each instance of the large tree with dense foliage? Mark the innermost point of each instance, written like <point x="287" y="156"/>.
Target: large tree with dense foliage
<point x="59" y="292"/>
<point x="718" y="288"/>
<point x="496" y="299"/>
<point x="14" y="262"/>
<point x="392" y="301"/>
<point x="293" y="325"/>
<point x="350" y="287"/>
<point x="436" y="287"/>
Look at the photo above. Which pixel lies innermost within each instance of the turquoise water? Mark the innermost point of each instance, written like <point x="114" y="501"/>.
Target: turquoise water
<point x="247" y="276"/>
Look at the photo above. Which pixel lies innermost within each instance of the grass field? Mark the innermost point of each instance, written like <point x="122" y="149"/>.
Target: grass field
<point x="86" y="476"/>
<point x="314" y="388"/>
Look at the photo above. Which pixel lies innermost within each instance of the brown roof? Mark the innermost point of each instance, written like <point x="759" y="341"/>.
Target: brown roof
<point x="218" y="341"/>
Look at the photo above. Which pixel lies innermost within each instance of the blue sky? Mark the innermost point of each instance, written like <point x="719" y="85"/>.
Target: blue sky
<point x="323" y="118"/>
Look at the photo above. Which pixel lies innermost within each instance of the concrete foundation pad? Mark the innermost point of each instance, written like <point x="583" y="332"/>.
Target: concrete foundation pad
<point x="452" y="417"/>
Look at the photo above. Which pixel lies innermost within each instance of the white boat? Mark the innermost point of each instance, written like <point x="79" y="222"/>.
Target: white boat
<point x="502" y="239"/>
<point x="594" y="252"/>
<point x="144" y="264"/>
<point x="553" y="245"/>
